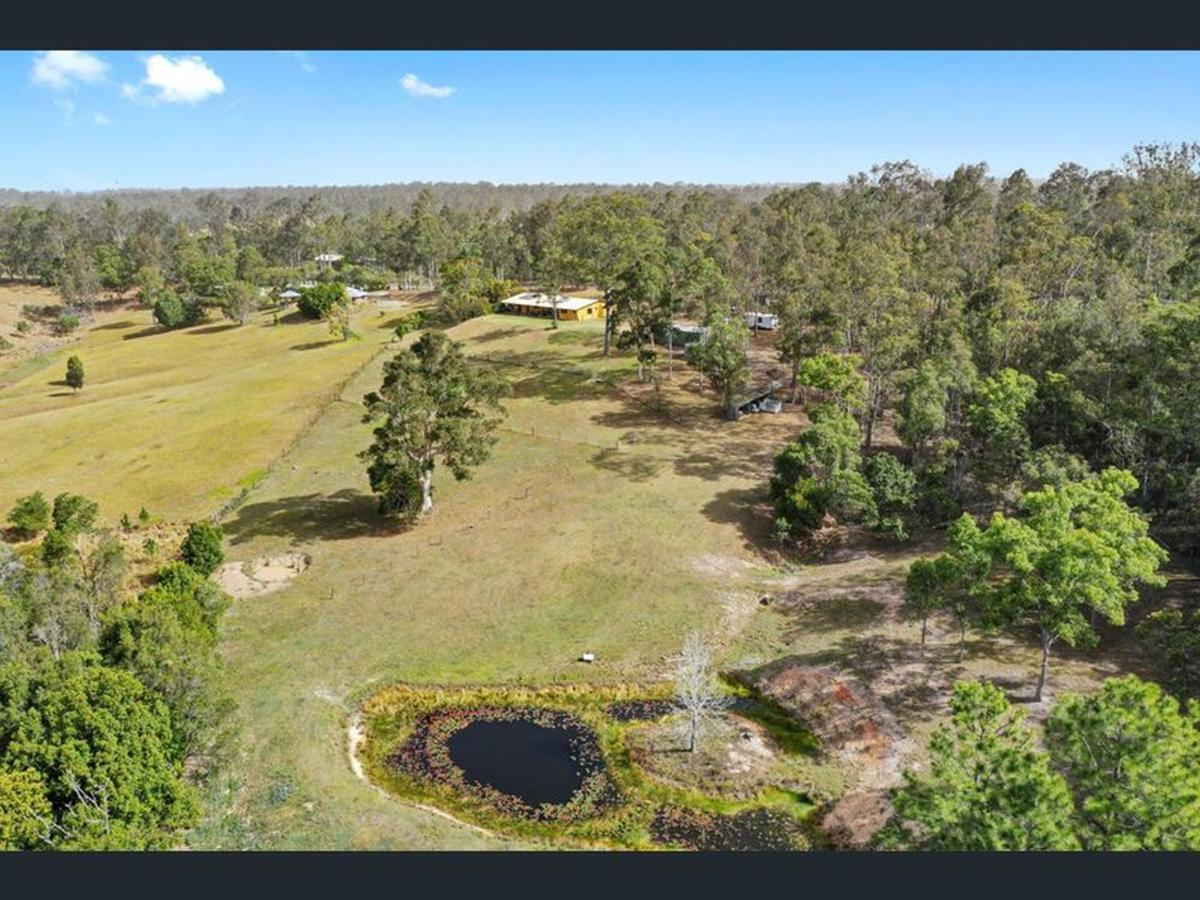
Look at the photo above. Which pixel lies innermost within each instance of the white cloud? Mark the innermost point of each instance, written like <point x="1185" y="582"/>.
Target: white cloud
<point x="100" y="119"/>
<point x="184" y="79"/>
<point x="419" y="88"/>
<point x="61" y="69"/>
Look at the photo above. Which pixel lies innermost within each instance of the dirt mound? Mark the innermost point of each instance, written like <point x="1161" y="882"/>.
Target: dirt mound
<point x="854" y="727"/>
<point x="261" y="576"/>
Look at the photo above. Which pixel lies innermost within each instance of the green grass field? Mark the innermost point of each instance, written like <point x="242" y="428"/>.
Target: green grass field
<point x="170" y="420"/>
<point x="560" y="544"/>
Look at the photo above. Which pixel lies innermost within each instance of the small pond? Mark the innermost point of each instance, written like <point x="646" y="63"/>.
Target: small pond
<point x="523" y="759"/>
<point x="530" y="762"/>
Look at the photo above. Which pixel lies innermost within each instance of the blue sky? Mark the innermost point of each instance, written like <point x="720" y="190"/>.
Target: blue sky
<point x="175" y="118"/>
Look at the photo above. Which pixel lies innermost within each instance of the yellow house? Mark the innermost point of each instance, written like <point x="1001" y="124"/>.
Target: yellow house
<point x="570" y="309"/>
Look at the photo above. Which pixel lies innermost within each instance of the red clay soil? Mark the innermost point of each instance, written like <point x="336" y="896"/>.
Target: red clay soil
<point x="853" y="726"/>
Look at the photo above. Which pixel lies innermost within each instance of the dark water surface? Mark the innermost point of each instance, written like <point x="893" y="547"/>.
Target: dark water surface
<point x="520" y="758"/>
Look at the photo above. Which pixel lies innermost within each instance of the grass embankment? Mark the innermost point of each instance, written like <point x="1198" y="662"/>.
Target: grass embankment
<point x="392" y="713"/>
<point x="171" y="420"/>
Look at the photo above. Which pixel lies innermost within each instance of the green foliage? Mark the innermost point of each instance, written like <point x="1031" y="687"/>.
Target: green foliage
<point x="30" y="515"/>
<point x="819" y="474"/>
<point x="432" y="404"/>
<point x="167" y="639"/>
<point x="74" y="376"/>
<point x="837" y="377"/>
<point x="988" y="786"/>
<point x="66" y="323"/>
<point x="73" y="514"/>
<point x="462" y="290"/>
<point x="203" y="547"/>
<point x="171" y="312"/>
<point x="1075" y="549"/>
<point x="101" y="745"/>
<point x="722" y="358"/>
<point x="25" y="811"/>
<point x="24" y="326"/>
<point x="1132" y="758"/>
<point x="240" y="299"/>
<point x="894" y="489"/>
<point x="1173" y="638"/>
<point x="316" y="302"/>
<point x="996" y="417"/>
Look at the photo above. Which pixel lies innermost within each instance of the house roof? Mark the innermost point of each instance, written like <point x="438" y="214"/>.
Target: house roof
<point x="542" y="301"/>
<point x="329" y="257"/>
<point x="290" y="294"/>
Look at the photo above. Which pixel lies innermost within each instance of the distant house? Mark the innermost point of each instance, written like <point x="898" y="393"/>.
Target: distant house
<point x="289" y="295"/>
<point x="354" y="293"/>
<point x="328" y="260"/>
<point x="569" y="308"/>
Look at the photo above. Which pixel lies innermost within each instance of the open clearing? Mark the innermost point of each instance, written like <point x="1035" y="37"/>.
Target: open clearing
<point x="176" y="421"/>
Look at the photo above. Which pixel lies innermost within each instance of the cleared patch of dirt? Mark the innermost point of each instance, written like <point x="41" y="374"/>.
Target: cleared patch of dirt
<point x="855" y="728"/>
<point x="261" y="576"/>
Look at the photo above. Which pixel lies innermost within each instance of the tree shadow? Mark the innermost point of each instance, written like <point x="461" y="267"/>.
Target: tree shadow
<point x="145" y="332"/>
<point x="315" y="345"/>
<point x="833" y="614"/>
<point x="630" y="466"/>
<point x="295" y="317"/>
<point x="497" y="334"/>
<point x="115" y="326"/>
<point x="321" y="517"/>
<point x="748" y="509"/>
<point x="214" y="329"/>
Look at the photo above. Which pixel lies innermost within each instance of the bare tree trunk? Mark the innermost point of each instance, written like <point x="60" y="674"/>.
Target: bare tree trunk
<point x="924" y="626"/>
<point x="426" y="491"/>
<point x="1046" y="642"/>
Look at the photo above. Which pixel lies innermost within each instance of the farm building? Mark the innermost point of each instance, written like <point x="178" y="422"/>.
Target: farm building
<point x="328" y="260"/>
<point x="569" y="308"/>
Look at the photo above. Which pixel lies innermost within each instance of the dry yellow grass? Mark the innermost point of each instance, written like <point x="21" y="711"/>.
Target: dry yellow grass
<point x="170" y="420"/>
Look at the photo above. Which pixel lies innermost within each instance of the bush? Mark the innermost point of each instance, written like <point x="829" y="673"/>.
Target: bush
<point x="169" y="310"/>
<point x="74" y="377"/>
<point x="410" y="323"/>
<point x="24" y="326"/>
<point x="5" y="344"/>
<point x="30" y="515"/>
<point x="202" y="548"/>
<point x="316" y="302"/>
<point x="67" y="322"/>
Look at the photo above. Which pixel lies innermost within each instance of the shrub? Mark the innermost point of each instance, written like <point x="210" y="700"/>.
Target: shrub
<point x="67" y="322"/>
<point x="30" y="515"/>
<point x="169" y="310"/>
<point x="24" y="326"/>
<point x="75" y="372"/>
<point x="201" y="548"/>
<point x="316" y="302"/>
<point x="5" y="344"/>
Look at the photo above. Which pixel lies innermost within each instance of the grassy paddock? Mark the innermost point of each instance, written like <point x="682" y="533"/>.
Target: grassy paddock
<point x="392" y="713"/>
<point x="171" y="420"/>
